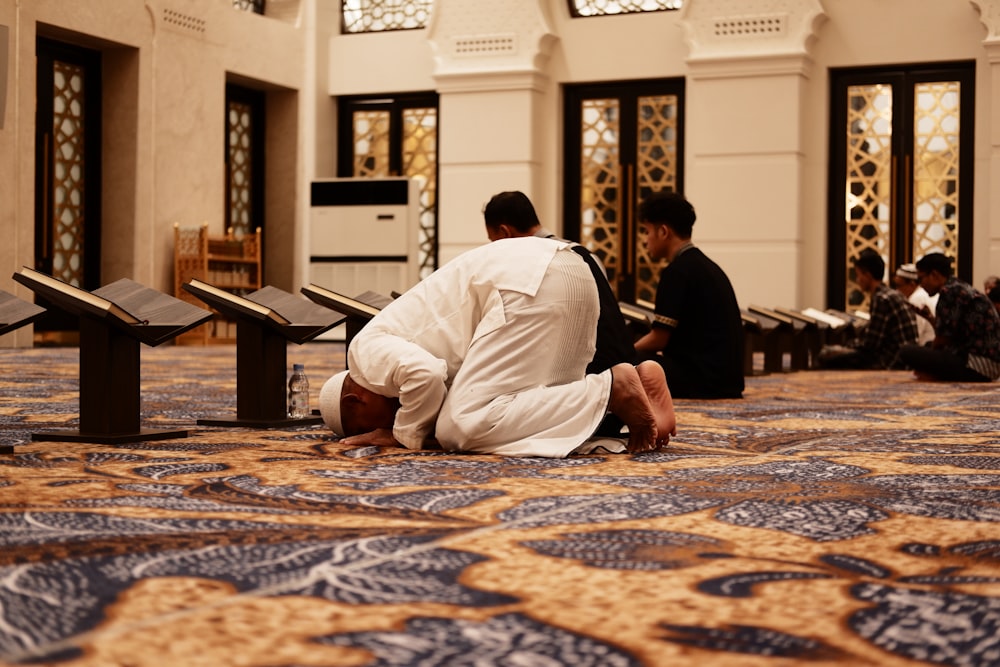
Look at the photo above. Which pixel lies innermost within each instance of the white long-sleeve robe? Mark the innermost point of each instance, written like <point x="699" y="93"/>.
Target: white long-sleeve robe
<point x="489" y="352"/>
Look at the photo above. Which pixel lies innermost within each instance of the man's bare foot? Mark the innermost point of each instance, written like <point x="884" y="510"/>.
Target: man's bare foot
<point x="654" y="382"/>
<point x="630" y="404"/>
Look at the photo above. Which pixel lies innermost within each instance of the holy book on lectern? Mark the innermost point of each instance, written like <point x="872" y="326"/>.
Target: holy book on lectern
<point x="366" y="305"/>
<point x="147" y="314"/>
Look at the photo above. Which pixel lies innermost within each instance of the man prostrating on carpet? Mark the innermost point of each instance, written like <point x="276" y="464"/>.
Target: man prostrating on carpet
<point x="488" y="354"/>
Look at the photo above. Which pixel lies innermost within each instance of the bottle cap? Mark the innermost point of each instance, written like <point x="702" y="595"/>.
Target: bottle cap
<point x="298" y="367"/>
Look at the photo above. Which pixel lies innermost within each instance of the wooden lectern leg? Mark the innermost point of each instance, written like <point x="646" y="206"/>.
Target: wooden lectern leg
<point x="261" y="363"/>
<point x="109" y="390"/>
<point x="109" y="379"/>
<point x="261" y="368"/>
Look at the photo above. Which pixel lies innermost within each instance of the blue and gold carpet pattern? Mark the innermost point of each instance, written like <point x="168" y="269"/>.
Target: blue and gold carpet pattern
<point x="827" y="518"/>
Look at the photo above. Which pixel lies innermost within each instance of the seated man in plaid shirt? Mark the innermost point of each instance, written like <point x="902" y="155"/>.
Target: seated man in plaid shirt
<point x="892" y="324"/>
<point x="966" y="345"/>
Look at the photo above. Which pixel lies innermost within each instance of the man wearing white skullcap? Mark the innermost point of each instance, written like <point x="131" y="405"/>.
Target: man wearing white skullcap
<point x="488" y="354"/>
<point x="906" y="281"/>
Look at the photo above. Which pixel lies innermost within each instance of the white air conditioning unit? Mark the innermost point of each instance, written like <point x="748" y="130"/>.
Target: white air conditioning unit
<point x="364" y="236"/>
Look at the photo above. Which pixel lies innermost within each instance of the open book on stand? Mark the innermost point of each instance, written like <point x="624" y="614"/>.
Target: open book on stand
<point x="295" y="318"/>
<point x="234" y="303"/>
<point x="146" y="314"/>
<point x="16" y="313"/>
<point x="365" y="306"/>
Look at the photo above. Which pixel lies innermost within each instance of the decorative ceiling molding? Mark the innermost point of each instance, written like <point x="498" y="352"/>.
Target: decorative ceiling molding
<point x="513" y="36"/>
<point x="989" y="16"/>
<point x="732" y="30"/>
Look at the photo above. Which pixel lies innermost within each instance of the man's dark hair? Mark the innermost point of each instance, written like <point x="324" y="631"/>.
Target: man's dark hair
<point x="670" y="209"/>
<point x="511" y="208"/>
<point x="872" y="262"/>
<point x="995" y="294"/>
<point x="935" y="261"/>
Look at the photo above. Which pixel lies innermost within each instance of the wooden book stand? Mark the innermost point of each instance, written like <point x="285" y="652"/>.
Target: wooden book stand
<point x="113" y="321"/>
<point x="359" y="309"/>
<point x="14" y="314"/>
<point x="266" y="320"/>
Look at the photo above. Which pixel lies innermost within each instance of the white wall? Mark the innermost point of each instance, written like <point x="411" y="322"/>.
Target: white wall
<point x="757" y="112"/>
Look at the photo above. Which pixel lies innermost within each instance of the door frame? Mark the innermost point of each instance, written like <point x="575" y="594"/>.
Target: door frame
<point x="48" y="51"/>
<point x="628" y="93"/>
<point x="903" y="77"/>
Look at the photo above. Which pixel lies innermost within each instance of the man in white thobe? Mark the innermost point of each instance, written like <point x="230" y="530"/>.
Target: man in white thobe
<point x="923" y="303"/>
<point x="488" y="354"/>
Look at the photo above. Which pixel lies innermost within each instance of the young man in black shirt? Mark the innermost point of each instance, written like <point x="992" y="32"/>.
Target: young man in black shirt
<point x="697" y="333"/>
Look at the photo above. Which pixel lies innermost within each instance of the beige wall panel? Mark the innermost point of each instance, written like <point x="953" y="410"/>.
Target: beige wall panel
<point x="632" y="46"/>
<point x="748" y="222"/>
<point x="394" y="62"/>
<point x="471" y="187"/>
<point x="762" y="273"/>
<point x="282" y="63"/>
<point x="860" y="32"/>
<point x="988" y="173"/>
<point x="492" y="127"/>
<point x="18" y="246"/>
<point x="743" y="115"/>
<point x="752" y="198"/>
<point x="190" y="93"/>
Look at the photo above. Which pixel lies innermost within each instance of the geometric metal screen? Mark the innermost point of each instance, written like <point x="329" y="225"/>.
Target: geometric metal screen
<point x="656" y="170"/>
<point x="935" y="169"/>
<point x="68" y="186"/>
<point x="601" y="182"/>
<point x="901" y="204"/>
<point x="255" y="6"/>
<point x="240" y="121"/>
<point x="420" y="163"/>
<point x="382" y="15"/>
<point x="607" y="7"/>
<point x="371" y="144"/>
<point x="371" y="138"/>
<point x="868" y="207"/>
<point x="604" y="186"/>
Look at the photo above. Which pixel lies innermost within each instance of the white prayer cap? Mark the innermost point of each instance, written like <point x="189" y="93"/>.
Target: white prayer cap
<point x="329" y="403"/>
<point x="908" y="271"/>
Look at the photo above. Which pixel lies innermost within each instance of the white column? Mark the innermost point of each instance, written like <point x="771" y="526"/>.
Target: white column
<point x="986" y="256"/>
<point x="748" y="70"/>
<point x="488" y="71"/>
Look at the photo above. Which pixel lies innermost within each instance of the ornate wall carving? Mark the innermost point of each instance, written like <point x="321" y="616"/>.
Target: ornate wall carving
<point x="717" y="29"/>
<point x="989" y="15"/>
<point x="513" y="36"/>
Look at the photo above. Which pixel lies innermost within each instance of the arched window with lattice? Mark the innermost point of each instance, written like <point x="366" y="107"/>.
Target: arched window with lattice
<point x="382" y="15"/>
<point x="583" y="8"/>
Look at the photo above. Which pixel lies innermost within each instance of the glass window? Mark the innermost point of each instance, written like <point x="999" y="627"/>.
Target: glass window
<point x="382" y="15"/>
<point x="607" y="7"/>
<point x="396" y="136"/>
<point x="255" y="6"/>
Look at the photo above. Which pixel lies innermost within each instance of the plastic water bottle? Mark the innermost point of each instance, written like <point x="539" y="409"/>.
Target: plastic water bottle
<point x="298" y="393"/>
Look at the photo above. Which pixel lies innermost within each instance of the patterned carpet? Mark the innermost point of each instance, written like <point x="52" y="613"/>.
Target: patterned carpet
<point x="828" y="518"/>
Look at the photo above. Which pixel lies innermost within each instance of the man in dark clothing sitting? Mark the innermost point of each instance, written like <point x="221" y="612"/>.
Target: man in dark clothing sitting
<point x="891" y="325"/>
<point x="966" y="346"/>
<point x="697" y="332"/>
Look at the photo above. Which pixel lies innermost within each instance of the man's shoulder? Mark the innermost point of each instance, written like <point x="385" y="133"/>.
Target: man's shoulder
<point x="885" y="293"/>
<point x="699" y="265"/>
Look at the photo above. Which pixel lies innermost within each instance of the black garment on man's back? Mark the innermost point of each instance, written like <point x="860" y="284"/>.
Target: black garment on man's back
<point x="614" y="341"/>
